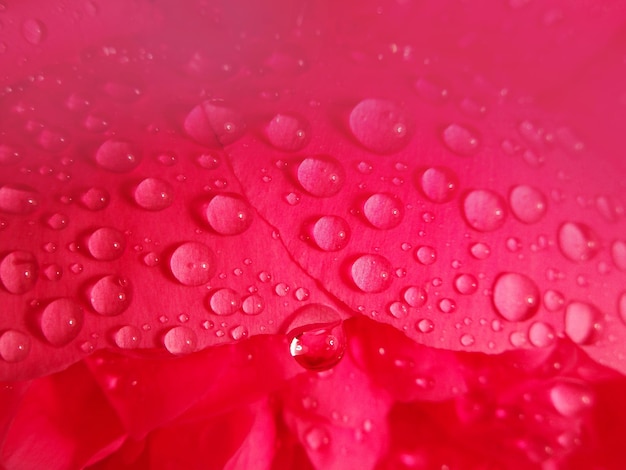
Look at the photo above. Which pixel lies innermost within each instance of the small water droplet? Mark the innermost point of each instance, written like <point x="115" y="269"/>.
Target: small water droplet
<point x="425" y="325"/>
<point x="61" y="321"/>
<point x="180" y="340"/>
<point x="484" y="210"/>
<point x="467" y="340"/>
<point x="480" y="251"/>
<point x="281" y="289"/>
<point x="515" y="297"/>
<point x="14" y="346"/>
<point x="371" y="273"/>
<point x="316" y="438"/>
<point x="53" y="272"/>
<point x="57" y="221"/>
<point x="447" y="305"/>
<point x="288" y="132"/>
<point x="553" y="300"/>
<point x="228" y="214"/>
<point x="95" y="198"/>
<point x="415" y="296"/>
<point x="331" y="233"/>
<point x="8" y="155"/>
<point x="383" y="211"/>
<point x="398" y="310"/>
<point x="301" y="294"/>
<point x="461" y="140"/>
<point x="117" y="156"/>
<point x="439" y="184"/>
<point x="581" y="322"/>
<point x="224" y="301"/>
<point x="618" y="253"/>
<point x="127" y="337"/>
<point x="18" y="199"/>
<point x="151" y="259"/>
<point x="570" y="398"/>
<point x="19" y="271"/>
<point x="466" y="284"/>
<point x="106" y="244"/>
<point x="541" y="335"/>
<point x="192" y="263"/>
<point x="528" y="204"/>
<point x="578" y="242"/>
<point x="209" y="160"/>
<point x="426" y="255"/>
<point x="321" y="176"/>
<point x="214" y="124"/>
<point x="110" y="295"/>
<point x="154" y="194"/>
<point x="380" y="126"/>
<point x="34" y="31"/>
<point x="239" y="332"/>
<point x="253" y="304"/>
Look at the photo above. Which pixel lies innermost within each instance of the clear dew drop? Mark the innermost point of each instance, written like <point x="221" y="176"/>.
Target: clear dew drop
<point x="467" y="340"/>
<point x="553" y="300"/>
<point x="110" y="295"/>
<point x="541" y="335"/>
<point x="398" y="310"/>
<point x="570" y="398"/>
<point x="288" y="132"/>
<point x="484" y="210"/>
<point x="224" y="301"/>
<point x="371" y="273"/>
<point x="215" y="124"/>
<point x="581" y="322"/>
<point x="515" y="297"/>
<point x="447" y="305"/>
<point x="578" y="242"/>
<point x="415" y="296"/>
<point x="383" y="211"/>
<point x="380" y="126"/>
<point x="118" y="156"/>
<point x="95" y="198"/>
<point x="228" y="214"/>
<point x="34" y="31"/>
<point x="153" y="194"/>
<point x="425" y="325"/>
<point x="466" y="284"/>
<point x="239" y="332"/>
<point x="528" y="204"/>
<point x="209" y="160"/>
<point x="331" y="233"/>
<point x="192" y="264"/>
<point x="19" y="271"/>
<point x="618" y="253"/>
<point x="14" y="346"/>
<point x="253" y="304"/>
<point x="127" y="337"/>
<point x="19" y="199"/>
<point x="106" y="244"/>
<point x="180" y="340"/>
<point x="321" y="176"/>
<point x="480" y="251"/>
<point x="439" y="184"/>
<point x="316" y="337"/>
<point x="426" y="255"/>
<point x="61" y="321"/>
<point x="461" y="140"/>
<point x="53" y="272"/>
<point x="57" y="221"/>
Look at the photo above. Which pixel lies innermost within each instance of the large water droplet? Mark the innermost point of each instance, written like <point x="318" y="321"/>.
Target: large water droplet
<point x="224" y="301"/>
<point x="127" y="337"/>
<point x="466" y="284"/>
<point x="330" y="233"/>
<point x="192" y="264"/>
<point x="484" y="210"/>
<point x="288" y="132"/>
<point x="461" y="140"/>
<point x="371" y="273"/>
<point x="14" y="346"/>
<point x="228" y="214"/>
<point x="110" y="295"/>
<point x="95" y="198"/>
<point x="578" y="242"/>
<point x="383" y="211"/>
<point x="570" y="398"/>
<point x="106" y="244"/>
<point x="515" y="296"/>
<point x="18" y="199"/>
<point x="316" y="337"/>
<point x="154" y="194"/>
<point x="528" y="204"/>
<point x="61" y="321"/>
<point x="581" y="322"/>
<point x="618" y="252"/>
<point x="380" y="126"/>
<point x="415" y="296"/>
<point x="321" y="176"/>
<point x="439" y="184"/>
<point x="18" y="271"/>
<point x="180" y="340"/>
<point x="117" y="156"/>
<point x="214" y="124"/>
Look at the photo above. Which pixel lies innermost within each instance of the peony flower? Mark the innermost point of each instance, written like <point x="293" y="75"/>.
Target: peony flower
<point x="308" y="235"/>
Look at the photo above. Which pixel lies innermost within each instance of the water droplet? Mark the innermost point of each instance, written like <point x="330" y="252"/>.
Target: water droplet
<point x="415" y="296"/>
<point x="316" y="438"/>
<point x="371" y="273"/>
<point x="253" y="304"/>
<point x="228" y="214"/>
<point x="581" y="322"/>
<point x="192" y="264"/>
<point x="106" y="244"/>
<point x="281" y="289"/>
<point x="467" y="340"/>
<point x="214" y="124"/>
<point x="383" y="211"/>
<point x="380" y="126"/>
<point x="431" y="90"/>
<point x="53" y="272"/>
<point x="57" y="221"/>
<point x="426" y="255"/>
<point x="621" y="306"/>
<point x="95" y="198"/>
<point x="515" y="296"/>
<point x="425" y="325"/>
<point x="117" y="156"/>
<point x="480" y="251"/>
<point x="439" y="184"/>
<point x="18" y="199"/>
<point x="8" y="155"/>
<point x="127" y="337"/>
<point x="528" y="204"/>
<point x="484" y="210"/>
<point x="553" y="300"/>
<point x="331" y="233"/>
<point x="541" y="335"/>
<point x="316" y="337"/>
<point x="571" y="398"/>
<point x="208" y="160"/>
<point x="288" y="132"/>
<point x="14" y="346"/>
<point x="398" y="310"/>
<point x="578" y="242"/>
<point x="224" y="301"/>
<point x="618" y="252"/>
<point x="466" y="284"/>
<point x="110" y="295"/>
<point x="61" y="321"/>
<point x="18" y="271"/>
<point x="180" y="340"/>
<point x="461" y="140"/>
<point x="153" y="194"/>
<point x="447" y="305"/>
<point x="301" y="294"/>
<point x="34" y="31"/>
<point x="321" y="176"/>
